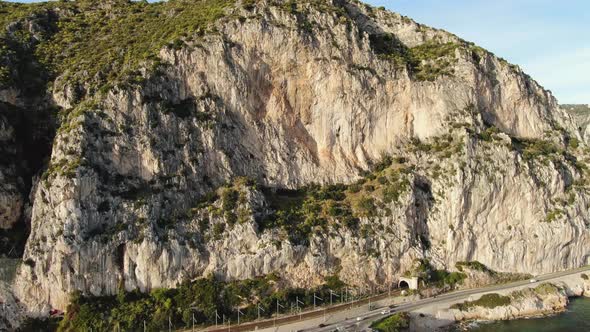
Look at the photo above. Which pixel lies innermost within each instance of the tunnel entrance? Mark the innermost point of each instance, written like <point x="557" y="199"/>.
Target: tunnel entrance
<point x="408" y="282"/>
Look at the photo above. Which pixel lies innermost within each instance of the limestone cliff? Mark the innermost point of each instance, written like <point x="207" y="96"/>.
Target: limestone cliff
<point x="444" y="151"/>
<point x="581" y="116"/>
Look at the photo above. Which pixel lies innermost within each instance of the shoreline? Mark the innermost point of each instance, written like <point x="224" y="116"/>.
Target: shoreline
<point x="463" y="325"/>
<point x="577" y="305"/>
<point x="531" y="301"/>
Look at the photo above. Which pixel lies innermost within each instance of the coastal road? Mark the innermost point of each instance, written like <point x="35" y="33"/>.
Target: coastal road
<point x="356" y="316"/>
<point x="364" y="320"/>
<point x="305" y="317"/>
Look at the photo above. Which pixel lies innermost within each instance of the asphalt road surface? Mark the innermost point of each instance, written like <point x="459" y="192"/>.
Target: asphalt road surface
<point x="367" y="318"/>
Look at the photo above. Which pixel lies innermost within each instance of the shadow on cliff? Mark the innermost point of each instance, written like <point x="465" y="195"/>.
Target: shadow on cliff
<point x="423" y="203"/>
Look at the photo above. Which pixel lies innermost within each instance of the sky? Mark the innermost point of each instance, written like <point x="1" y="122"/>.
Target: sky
<point x="549" y="39"/>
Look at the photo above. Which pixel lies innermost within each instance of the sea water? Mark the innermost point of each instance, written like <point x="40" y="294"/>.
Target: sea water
<point x="576" y="318"/>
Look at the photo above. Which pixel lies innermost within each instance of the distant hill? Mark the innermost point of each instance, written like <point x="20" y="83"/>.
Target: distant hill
<point x="581" y="115"/>
<point x="580" y="112"/>
<point x="577" y="109"/>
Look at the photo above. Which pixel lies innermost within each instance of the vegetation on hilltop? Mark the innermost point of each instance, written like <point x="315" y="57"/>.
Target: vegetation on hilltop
<point x="98" y="44"/>
<point x="426" y="62"/>
<point x="106" y="42"/>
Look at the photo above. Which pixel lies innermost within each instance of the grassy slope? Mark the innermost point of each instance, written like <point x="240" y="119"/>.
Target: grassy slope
<point x="95" y="42"/>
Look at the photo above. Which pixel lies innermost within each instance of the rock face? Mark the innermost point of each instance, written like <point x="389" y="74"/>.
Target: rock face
<point x="11" y="200"/>
<point x="529" y="302"/>
<point x="11" y="309"/>
<point x="490" y="173"/>
<point x="581" y="116"/>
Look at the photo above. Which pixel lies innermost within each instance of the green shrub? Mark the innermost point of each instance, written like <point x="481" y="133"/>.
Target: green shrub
<point x="447" y="278"/>
<point x="230" y="217"/>
<point x="355" y="188"/>
<point x="420" y="146"/>
<point x="573" y="143"/>
<point x="554" y="215"/>
<point x="489" y="134"/>
<point x="39" y="324"/>
<point x="127" y="311"/>
<point x="388" y="46"/>
<point x="487" y="301"/>
<point x="385" y="162"/>
<point x="392" y="193"/>
<point x="394" y="323"/>
<point x="472" y="265"/>
<point x="218" y="230"/>
<point x="334" y="283"/>
<point x="533" y="149"/>
<point x="229" y="199"/>
<point x="365" y="206"/>
<point x="546" y="288"/>
<point x="584" y="276"/>
<point x="426" y="62"/>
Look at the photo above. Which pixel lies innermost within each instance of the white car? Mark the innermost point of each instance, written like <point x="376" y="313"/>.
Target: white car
<point x="385" y="312"/>
<point x="533" y="281"/>
<point x="358" y="319"/>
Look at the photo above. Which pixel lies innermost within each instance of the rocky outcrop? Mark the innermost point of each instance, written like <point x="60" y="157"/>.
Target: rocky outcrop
<point x="27" y="119"/>
<point x="12" y="310"/>
<point x="290" y="98"/>
<point x="542" y="300"/>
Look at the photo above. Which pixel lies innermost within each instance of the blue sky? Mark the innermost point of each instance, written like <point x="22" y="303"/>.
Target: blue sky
<point x="549" y="39"/>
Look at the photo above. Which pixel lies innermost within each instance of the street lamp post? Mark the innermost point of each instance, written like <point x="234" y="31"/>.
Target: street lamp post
<point x="239" y="313"/>
<point x="279" y="306"/>
<point x="331" y="295"/>
<point x="259" y="310"/>
<point x="314" y="298"/>
<point x="297" y="302"/>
